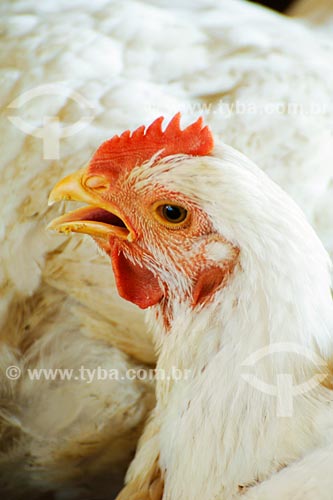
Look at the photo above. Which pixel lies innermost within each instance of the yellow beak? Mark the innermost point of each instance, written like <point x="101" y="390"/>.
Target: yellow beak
<point x="99" y="219"/>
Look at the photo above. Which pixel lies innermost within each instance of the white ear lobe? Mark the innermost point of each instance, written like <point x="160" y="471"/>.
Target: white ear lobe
<point x="221" y="259"/>
<point x="219" y="250"/>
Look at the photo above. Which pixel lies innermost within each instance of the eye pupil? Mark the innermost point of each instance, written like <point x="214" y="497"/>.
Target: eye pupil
<point x="173" y="213"/>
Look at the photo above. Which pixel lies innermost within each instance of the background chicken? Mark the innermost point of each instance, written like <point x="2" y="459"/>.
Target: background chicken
<point x="59" y="307"/>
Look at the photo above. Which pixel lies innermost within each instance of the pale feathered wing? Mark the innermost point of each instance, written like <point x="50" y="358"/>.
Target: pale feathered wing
<point x="262" y="82"/>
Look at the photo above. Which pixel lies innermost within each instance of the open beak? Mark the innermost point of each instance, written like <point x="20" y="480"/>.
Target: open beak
<point x="100" y="219"/>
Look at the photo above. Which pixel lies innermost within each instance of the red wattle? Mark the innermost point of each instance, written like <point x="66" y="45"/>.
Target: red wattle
<point x="134" y="283"/>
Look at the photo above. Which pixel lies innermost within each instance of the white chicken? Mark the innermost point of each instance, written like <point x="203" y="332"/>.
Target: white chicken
<point x="228" y="268"/>
<point x="258" y="79"/>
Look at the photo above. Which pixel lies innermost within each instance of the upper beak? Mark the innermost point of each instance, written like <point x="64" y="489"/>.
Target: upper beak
<point x="100" y="218"/>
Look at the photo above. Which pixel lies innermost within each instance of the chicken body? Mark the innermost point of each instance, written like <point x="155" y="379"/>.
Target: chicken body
<point x="238" y="280"/>
<point x="59" y="305"/>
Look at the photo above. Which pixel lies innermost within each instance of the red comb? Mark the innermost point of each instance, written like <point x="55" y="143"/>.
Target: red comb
<point x="124" y="152"/>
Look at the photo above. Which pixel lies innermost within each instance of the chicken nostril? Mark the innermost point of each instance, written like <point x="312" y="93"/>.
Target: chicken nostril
<point x="97" y="182"/>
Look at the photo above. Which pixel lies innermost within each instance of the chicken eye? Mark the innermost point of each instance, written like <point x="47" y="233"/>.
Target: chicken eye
<point x="171" y="214"/>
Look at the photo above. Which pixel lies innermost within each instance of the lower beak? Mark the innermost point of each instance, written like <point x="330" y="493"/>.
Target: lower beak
<point x="100" y="219"/>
